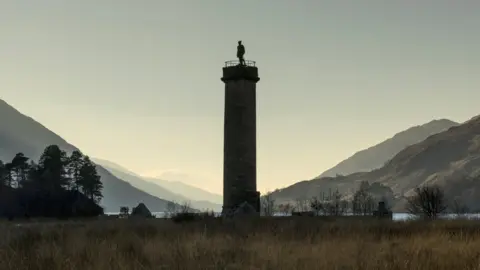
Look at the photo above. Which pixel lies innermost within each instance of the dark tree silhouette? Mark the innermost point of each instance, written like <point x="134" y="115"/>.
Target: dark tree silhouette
<point x="52" y="168"/>
<point x="267" y="205"/>
<point x="18" y="170"/>
<point x="3" y="172"/>
<point x="428" y="202"/>
<point x="89" y="180"/>
<point x="8" y="174"/>
<point x="363" y="202"/>
<point x="317" y="205"/>
<point x="74" y="166"/>
<point x="459" y="208"/>
<point x="58" y="186"/>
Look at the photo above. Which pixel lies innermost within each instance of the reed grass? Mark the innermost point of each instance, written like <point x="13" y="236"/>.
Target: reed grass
<point x="267" y="243"/>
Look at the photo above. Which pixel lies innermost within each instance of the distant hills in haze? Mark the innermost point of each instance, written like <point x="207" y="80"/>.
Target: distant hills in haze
<point x="376" y="156"/>
<point x="181" y="183"/>
<point x="20" y="133"/>
<point x="450" y="159"/>
<point x="186" y="190"/>
<point x="170" y="190"/>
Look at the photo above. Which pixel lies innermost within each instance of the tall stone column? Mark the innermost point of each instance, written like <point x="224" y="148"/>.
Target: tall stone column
<point x="240" y="136"/>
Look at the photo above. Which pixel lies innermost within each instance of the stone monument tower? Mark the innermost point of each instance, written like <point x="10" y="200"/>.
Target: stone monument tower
<point x="240" y="135"/>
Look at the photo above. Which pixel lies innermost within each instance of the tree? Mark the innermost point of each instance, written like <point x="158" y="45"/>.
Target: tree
<point x="52" y="169"/>
<point x="18" y="169"/>
<point x="428" y="202"/>
<point x="364" y="185"/>
<point x="459" y="208"/>
<point x="3" y="172"/>
<point x="267" y="205"/>
<point x="74" y="165"/>
<point x="337" y="206"/>
<point x="171" y="209"/>
<point x="285" y="208"/>
<point x="185" y="207"/>
<point x="301" y="205"/>
<point x="363" y="202"/>
<point x="317" y="206"/>
<point x="89" y="180"/>
<point x="44" y="189"/>
<point x="124" y="211"/>
<point x="7" y="175"/>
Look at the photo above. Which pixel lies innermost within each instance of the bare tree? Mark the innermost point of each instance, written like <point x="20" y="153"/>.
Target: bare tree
<point x="286" y="208"/>
<point x="185" y="207"/>
<point x="338" y="206"/>
<point x="301" y="205"/>
<point x="459" y="208"/>
<point x="428" y="202"/>
<point x="316" y="205"/>
<point x="267" y="205"/>
<point x="171" y="209"/>
<point x="124" y="211"/>
<point x="363" y="202"/>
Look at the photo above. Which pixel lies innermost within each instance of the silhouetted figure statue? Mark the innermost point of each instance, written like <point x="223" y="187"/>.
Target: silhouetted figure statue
<point x="240" y="53"/>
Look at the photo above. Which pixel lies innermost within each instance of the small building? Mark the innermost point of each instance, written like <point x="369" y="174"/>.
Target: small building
<point x="382" y="211"/>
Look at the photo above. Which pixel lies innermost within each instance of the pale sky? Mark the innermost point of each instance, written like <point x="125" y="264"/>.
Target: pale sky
<point x="138" y="82"/>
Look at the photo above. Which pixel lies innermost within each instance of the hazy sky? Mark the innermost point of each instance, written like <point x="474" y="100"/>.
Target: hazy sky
<point x="138" y="82"/>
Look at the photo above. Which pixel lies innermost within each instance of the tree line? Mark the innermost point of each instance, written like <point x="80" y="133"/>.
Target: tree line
<point x="362" y="202"/>
<point x="58" y="185"/>
<point x="427" y="202"/>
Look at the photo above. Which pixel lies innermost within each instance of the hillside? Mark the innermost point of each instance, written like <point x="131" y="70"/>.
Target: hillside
<point x="377" y="155"/>
<point x="154" y="188"/>
<point x="180" y="187"/>
<point x="20" y="133"/>
<point x="450" y="159"/>
<point x="176" y="186"/>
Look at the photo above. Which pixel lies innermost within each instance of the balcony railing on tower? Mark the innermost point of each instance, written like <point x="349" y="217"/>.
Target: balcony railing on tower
<point x="232" y="63"/>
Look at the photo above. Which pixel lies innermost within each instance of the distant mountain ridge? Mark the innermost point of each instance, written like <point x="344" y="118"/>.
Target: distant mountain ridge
<point x="181" y="183"/>
<point x="176" y="186"/>
<point x="157" y="188"/>
<point x="450" y="159"/>
<point x="376" y="156"/>
<point x="20" y="133"/>
<point x="186" y="190"/>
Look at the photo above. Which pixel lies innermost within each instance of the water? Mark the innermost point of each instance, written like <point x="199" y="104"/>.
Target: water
<point x="406" y="216"/>
<point x="395" y="216"/>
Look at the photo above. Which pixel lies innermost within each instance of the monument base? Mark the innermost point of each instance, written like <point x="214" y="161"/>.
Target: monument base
<point x="246" y="202"/>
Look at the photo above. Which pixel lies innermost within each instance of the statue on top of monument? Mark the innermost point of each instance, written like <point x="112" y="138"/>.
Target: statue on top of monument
<point x="241" y="53"/>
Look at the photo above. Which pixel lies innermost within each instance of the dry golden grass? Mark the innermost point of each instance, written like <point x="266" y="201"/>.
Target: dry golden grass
<point x="283" y="243"/>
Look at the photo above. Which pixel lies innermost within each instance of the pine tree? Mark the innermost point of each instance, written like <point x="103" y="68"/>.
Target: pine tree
<point x="51" y="168"/>
<point x="75" y="163"/>
<point x="89" y="180"/>
<point x="19" y="170"/>
<point x="8" y="174"/>
<point x="3" y="172"/>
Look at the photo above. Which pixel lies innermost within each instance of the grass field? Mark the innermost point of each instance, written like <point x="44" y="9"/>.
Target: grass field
<point x="281" y="243"/>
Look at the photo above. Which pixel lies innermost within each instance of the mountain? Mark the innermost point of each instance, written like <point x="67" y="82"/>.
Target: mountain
<point x="176" y="182"/>
<point x="20" y="133"/>
<point x="188" y="191"/>
<point x="376" y="156"/>
<point x="450" y="159"/>
<point x="108" y="164"/>
<point x="157" y="189"/>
